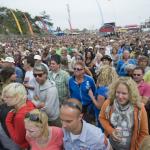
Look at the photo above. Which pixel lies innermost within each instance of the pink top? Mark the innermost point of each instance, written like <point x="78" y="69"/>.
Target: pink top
<point x="55" y="143"/>
<point x="144" y="89"/>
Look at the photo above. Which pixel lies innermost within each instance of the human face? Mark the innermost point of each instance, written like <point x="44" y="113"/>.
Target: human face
<point x="78" y="70"/>
<point x="122" y="94"/>
<point x="54" y="66"/>
<point x="40" y="76"/>
<point x="64" y="53"/>
<point x="88" y="55"/>
<point x="32" y="131"/>
<point x="126" y="54"/>
<point x="143" y="63"/>
<point x="137" y="75"/>
<point x="106" y="62"/>
<point x="71" y="119"/>
<point x="10" y="100"/>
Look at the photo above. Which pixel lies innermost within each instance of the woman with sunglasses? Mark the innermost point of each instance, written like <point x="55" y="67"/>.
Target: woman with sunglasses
<point x="79" y="86"/>
<point x="15" y="96"/>
<point x="41" y="136"/>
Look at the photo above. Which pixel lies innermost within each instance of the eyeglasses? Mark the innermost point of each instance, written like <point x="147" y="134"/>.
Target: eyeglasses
<point x="33" y="117"/>
<point x="78" y="69"/>
<point x="39" y="75"/>
<point x="136" y="74"/>
<point x="73" y="105"/>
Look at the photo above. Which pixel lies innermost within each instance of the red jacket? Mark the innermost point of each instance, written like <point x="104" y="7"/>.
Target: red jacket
<point x="140" y="130"/>
<point x="15" y="124"/>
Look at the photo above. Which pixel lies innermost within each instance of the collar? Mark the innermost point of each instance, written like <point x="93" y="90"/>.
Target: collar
<point x="141" y="83"/>
<point x="82" y="136"/>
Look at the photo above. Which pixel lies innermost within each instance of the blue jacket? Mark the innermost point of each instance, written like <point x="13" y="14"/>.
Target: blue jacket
<point x="80" y="91"/>
<point x="121" y="66"/>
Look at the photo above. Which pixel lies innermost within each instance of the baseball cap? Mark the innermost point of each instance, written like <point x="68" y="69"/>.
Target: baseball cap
<point x="38" y="57"/>
<point x="9" y="59"/>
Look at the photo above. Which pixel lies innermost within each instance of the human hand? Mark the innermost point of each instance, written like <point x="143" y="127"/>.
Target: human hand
<point x="36" y="98"/>
<point x="116" y="135"/>
<point x="91" y="93"/>
<point x="40" y="105"/>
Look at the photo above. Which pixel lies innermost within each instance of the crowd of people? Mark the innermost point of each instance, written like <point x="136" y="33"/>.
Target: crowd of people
<point x="75" y="92"/>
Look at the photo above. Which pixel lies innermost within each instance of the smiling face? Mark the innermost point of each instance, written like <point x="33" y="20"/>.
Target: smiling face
<point x="122" y="94"/>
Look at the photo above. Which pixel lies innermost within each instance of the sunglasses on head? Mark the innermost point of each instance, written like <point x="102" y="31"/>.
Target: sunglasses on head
<point x="78" y="69"/>
<point x="33" y="117"/>
<point x="73" y="105"/>
<point x="38" y="74"/>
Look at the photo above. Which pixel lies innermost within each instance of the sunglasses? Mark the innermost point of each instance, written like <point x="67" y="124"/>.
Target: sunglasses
<point x="77" y="69"/>
<point x="73" y="105"/>
<point x="33" y="117"/>
<point x="39" y="75"/>
<point x="136" y="74"/>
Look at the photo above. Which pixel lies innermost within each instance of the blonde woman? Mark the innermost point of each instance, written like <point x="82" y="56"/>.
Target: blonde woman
<point x="41" y="136"/>
<point x="123" y="116"/>
<point x="106" y="76"/>
<point x="15" y="96"/>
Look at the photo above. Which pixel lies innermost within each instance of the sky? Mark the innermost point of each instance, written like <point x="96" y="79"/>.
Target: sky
<point x="85" y="13"/>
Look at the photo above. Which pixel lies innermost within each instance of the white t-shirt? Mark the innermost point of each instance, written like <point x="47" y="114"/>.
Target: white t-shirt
<point x="74" y="137"/>
<point x="29" y="78"/>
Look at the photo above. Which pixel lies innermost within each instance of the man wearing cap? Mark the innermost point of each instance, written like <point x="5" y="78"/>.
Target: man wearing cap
<point x="46" y="94"/>
<point x="38" y="60"/>
<point x="9" y="62"/>
<point x="78" y="134"/>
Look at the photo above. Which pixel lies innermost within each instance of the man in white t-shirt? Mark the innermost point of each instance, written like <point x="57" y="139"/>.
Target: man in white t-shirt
<point x="29" y="80"/>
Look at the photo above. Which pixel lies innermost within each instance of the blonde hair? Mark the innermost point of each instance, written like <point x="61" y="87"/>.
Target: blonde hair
<point x="42" y="123"/>
<point x="15" y="89"/>
<point x="106" y="76"/>
<point x="134" y="96"/>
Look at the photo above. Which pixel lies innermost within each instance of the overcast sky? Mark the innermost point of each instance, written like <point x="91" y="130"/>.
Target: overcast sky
<point x="85" y="13"/>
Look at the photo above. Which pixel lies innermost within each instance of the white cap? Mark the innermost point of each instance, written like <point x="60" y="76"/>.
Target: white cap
<point x="9" y="59"/>
<point x="38" y="57"/>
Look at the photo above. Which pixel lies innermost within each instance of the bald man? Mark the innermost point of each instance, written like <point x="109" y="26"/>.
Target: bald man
<point x="78" y="134"/>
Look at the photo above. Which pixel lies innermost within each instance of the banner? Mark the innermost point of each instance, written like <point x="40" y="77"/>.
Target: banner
<point x="29" y="25"/>
<point x="45" y="27"/>
<point x="17" y="22"/>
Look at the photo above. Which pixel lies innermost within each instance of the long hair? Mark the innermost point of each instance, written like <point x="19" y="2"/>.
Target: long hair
<point x="106" y="76"/>
<point x="134" y="96"/>
<point x="42" y="123"/>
